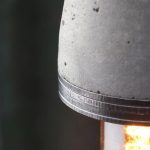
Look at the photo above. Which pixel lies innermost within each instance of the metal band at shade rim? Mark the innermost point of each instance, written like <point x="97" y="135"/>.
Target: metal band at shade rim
<point x="101" y="107"/>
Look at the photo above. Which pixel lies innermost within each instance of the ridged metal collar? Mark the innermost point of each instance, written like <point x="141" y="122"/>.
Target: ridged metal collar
<point x="101" y="107"/>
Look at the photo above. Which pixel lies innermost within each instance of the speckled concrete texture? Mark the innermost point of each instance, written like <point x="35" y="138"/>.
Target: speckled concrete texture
<point x="104" y="46"/>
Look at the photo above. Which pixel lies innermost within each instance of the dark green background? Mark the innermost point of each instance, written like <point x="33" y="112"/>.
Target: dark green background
<point x="32" y="115"/>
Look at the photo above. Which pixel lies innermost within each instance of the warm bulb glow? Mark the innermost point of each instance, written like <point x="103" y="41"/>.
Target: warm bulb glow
<point x="137" y="138"/>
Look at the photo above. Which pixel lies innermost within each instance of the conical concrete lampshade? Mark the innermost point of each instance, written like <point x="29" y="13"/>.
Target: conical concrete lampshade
<point x="104" y="59"/>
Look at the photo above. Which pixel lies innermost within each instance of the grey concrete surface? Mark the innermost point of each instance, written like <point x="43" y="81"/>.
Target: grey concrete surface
<point x="104" y="46"/>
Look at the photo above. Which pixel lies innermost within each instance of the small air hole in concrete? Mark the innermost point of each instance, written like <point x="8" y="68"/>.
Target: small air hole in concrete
<point x="98" y="92"/>
<point x="96" y="9"/>
<point x="128" y="42"/>
<point x="73" y="17"/>
<point x="65" y="63"/>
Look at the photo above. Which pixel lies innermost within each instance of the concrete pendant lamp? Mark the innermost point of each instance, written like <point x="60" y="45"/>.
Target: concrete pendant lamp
<point x="104" y="61"/>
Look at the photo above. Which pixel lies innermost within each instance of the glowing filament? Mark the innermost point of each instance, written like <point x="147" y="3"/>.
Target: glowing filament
<point x="137" y="138"/>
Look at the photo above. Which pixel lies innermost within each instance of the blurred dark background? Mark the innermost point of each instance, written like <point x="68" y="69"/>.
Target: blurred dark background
<point x="32" y="115"/>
